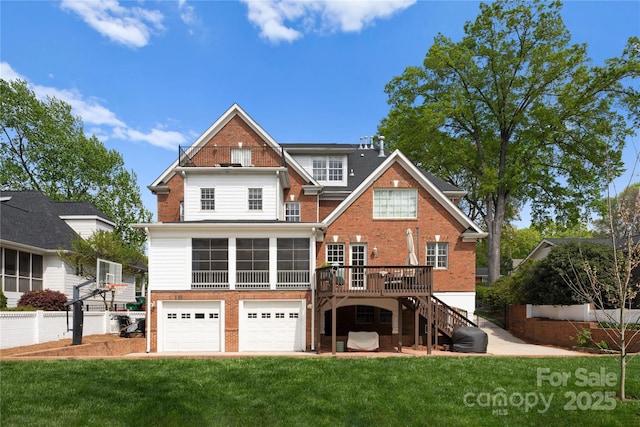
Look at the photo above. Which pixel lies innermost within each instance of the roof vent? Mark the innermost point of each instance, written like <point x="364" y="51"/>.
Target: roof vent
<point x="381" y="144"/>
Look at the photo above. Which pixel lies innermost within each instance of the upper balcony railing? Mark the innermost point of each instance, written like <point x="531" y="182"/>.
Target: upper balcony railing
<point x="363" y="280"/>
<point x="228" y="156"/>
<point x="219" y="280"/>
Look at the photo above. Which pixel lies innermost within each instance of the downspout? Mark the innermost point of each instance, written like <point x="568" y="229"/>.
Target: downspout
<point x="313" y="291"/>
<point x="148" y="320"/>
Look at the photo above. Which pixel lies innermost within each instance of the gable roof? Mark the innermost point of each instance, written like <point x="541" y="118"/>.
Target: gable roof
<point x="223" y="120"/>
<point x="29" y="218"/>
<point x="472" y="230"/>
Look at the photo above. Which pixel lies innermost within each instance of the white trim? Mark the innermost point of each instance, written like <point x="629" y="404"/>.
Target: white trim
<point x="87" y="217"/>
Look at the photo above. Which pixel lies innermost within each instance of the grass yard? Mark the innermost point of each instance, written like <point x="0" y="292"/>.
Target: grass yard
<point x="282" y="391"/>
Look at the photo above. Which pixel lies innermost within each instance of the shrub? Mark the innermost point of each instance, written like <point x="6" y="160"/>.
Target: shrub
<point x="565" y="262"/>
<point x="46" y="300"/>
<point x="3" y="300"/>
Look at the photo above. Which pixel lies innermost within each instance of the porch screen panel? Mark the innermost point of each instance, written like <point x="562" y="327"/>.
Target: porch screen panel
<point x="252" y="260"/>
<point x="210" y="261"/>
<point x="293" y="260"/>
<point x="10" y="270"/>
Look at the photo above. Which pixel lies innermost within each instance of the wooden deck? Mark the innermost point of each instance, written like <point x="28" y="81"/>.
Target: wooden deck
<point x="378" y="281"/>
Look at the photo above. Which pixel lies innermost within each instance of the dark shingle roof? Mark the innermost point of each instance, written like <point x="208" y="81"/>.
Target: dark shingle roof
<point x="31" y="218"/>
<point x="361" y="161"/>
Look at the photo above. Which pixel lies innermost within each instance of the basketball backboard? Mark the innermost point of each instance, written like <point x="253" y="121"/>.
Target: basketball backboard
<point x="108" y="273"/>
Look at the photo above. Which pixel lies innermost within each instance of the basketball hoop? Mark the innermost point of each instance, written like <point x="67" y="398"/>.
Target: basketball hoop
<point x="117" y="288"/>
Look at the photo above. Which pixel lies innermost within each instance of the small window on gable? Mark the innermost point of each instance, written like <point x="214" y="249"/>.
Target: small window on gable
<point x="395" y="203"/>
<point x="241" y="156"/>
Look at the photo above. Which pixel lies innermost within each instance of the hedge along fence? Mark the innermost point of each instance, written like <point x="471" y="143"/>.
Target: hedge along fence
<point x="18" y="328"/>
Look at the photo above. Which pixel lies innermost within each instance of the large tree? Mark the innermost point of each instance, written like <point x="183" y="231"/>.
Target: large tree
<point x="44" y="147"/>
<point x="621" y="206"/>
<point x="516" y="114"/>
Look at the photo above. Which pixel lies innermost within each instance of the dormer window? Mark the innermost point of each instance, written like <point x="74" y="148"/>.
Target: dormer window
<point x="328" y="168"/>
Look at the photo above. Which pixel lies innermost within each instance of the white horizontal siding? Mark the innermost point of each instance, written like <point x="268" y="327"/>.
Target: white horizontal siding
<point x="86" y="227"/>
<point x="169" y="263"/>
<point x="231" y="197"/>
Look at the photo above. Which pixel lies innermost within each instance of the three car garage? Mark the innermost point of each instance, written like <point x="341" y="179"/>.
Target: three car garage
<point x="263" y="325"/>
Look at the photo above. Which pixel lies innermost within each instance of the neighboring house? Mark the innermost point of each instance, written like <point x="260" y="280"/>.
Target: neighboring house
<point x="544" y="247"/>
<point x="482" y="274"/>
<point x="33" y="229"/>
<point x="244" y="223"/>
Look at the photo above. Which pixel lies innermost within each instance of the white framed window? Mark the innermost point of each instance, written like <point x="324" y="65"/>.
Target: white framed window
<point x="438" y="255"/>
<point x="335" y="253"/>
<point x="255" y="199"/>
<point x="292" y="211"/>
<point x="241" y="156"/>
<point x="320" y="169"/>
<point x="21" y="271"/>
<point x="395" y="203"/>
<point x="208" y="199"/>
<point x="358" y="256"/>
<point x="328" y="169"/>
<point x="335" y="169"/>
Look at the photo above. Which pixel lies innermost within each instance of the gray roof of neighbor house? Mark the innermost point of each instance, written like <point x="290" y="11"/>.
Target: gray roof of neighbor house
<point x="30" y="218"/>
<point x="361" y="162"/>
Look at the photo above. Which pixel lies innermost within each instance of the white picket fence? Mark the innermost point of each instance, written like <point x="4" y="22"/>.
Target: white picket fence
<point x="18" y="328"/>
<point x="580" y="313"/>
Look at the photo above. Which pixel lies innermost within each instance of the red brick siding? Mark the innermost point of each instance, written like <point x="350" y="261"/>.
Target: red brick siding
<point x="389" y="236"/>
<point x="326" y="207"/>
<point x="308" y="204"/>
<point x="169" y="204"/>
<point x="231" y="309"/>
<point x="557" y="332"/>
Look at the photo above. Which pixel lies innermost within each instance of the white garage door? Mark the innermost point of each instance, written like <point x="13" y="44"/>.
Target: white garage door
<point x="272" y="325"/>
<point x="191" y="326"/>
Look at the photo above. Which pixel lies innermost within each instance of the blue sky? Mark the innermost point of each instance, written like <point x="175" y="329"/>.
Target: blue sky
<point x="147" y="76"/>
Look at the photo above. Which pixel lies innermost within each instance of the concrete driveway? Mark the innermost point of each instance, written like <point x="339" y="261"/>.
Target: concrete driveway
<point x="502" y="343"/>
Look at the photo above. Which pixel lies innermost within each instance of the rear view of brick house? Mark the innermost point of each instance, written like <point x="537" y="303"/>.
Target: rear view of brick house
<point x="261" y="246"/>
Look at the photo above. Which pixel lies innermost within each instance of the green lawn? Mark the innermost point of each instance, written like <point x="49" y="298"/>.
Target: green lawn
<point x="274" y="391"/>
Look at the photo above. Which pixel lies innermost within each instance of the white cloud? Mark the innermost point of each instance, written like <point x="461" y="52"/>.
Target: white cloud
<point x="157" y="136"/>
<point x="8" y="73"/>
<point x="130" y="26"/>
<point x="187" y="13"/>
<point x="97" y="118"/>
<point x="89" y="110"/>
<point x="277" y="18"/>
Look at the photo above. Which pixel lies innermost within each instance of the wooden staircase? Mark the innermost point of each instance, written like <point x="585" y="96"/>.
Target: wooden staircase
<point x="446" y="318"/>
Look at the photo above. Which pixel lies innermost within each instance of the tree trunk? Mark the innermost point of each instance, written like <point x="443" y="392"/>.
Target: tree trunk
<point x="495" y="209"/>
<point x="623" y="353"/>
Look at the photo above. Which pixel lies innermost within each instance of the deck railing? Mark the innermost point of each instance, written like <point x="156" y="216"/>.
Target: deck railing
<point x="226" y="156"/>
<point x="378" y="280"/>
